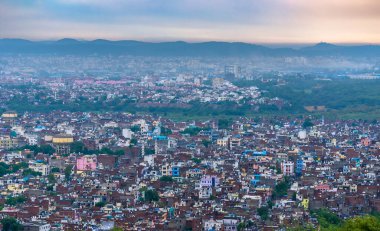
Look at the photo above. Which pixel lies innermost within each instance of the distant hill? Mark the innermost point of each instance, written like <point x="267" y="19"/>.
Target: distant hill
<point x="179" y="48"/>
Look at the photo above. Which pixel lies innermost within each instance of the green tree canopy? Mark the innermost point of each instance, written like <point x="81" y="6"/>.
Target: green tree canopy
<point x="263" y="212"/>
<point x="166" y="179"/>
<point x="11" y="224"/>
<point x="151" y="195"/>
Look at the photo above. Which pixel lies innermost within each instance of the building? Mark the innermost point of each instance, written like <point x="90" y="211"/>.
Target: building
<point x="8" y="142"/>
<point x="205" y="193"/>
<point x="62" y="143"/>
<point x="40" y="167"/>
<point x="127" y="133"/>
<point x="9" y="115"/>
<point x="287" y="168"/>
<point x="36" y="226"/>
<point x="217" y="82"/>
<point x="175" y="171"/>
<point x="234" y="142"/>
<point x="87" y="163"/>
<point x="209" y="181"/>
<point x="166" y="170"/>
<point x="299" y="167"/>
<point x="232" y="71"/>
<point x="222" y="141"/>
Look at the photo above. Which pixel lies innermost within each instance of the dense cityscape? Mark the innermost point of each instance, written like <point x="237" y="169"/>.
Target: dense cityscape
<point x="189" y="115"/>
<point x="97" y="152"/>
<point x="96" y="171"/>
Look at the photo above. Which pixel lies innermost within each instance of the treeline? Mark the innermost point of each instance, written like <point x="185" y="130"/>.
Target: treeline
<point x="329" y="221"/>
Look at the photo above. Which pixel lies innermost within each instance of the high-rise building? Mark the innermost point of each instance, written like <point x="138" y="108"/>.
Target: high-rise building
<point x="232" y="71"/>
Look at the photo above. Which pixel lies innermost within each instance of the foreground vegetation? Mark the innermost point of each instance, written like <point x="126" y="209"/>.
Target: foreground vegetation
<point x="328" y="221"/>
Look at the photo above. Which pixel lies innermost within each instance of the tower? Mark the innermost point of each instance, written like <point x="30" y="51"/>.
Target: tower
<point x="143" y="149"/>
<point x="155" y="147"/>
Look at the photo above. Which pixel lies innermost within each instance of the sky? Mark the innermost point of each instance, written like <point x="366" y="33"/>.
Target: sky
<point x="253" y="21"/>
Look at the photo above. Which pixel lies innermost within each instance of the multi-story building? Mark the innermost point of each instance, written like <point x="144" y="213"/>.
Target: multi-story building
<point x="287" y="168"/>
<point x="62" y="143"/>
<point x="8" y="142"/>
<point x="39" y="167"/>
<point x="87" y="163"/>
<point x="36" y="226"/>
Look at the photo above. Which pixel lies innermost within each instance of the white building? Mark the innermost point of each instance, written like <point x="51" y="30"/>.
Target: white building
<point x="287" y="168"/>
<point x="127" y="133"/>
<point x="39" y="167"/>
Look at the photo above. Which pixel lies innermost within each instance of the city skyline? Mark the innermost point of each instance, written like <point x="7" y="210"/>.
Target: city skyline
<point x="265" y="22"/>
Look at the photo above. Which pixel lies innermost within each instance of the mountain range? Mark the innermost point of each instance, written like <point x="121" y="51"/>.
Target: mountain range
<point x="69" y="46"/>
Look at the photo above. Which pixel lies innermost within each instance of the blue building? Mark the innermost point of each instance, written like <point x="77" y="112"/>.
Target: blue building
<point x="175" y="171"/>
<point x="256" y="179"/>
<point x="299" y="167"/>
<point x="255" y="153"/>
<point x="160" y="137"/>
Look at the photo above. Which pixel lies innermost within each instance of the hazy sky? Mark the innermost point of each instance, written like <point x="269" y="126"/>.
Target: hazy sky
<point x="256" y="21"/>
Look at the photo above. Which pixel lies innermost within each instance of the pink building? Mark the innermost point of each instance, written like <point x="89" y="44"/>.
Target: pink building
<point x="365" y="141"/>
<point x="86" y="163"/>
<point x="323" y="187"/>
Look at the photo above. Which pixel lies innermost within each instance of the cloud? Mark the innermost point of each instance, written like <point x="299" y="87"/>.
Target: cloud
<point x="194" y="20"/>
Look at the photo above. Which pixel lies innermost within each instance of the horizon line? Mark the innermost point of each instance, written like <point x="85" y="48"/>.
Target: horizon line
<point x="193" y="41"/>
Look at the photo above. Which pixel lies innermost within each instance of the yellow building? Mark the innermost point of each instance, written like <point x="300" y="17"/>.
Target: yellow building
<point x="62" y="143"/>
<point x="7" y="142"/>
<point x="305" y="203"/>
<point x="16" y="188"/>
<point x="222" y="141"/>
<point x="9" y="115"/>
<point x="63" y="139"/>
<point x="166" y="170"/>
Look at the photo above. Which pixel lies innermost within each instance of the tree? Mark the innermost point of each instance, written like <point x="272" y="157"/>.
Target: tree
<point x="307" y="123"/>
<point x="135" y="128"/>
<point x="196" y="160"/>
<point x="46" y="149"/>
<point x="327" y="219"/>
<point x="151" y="195"/>
<point x="119" y="152"/>
<point x="51" y="179"/>
<point x="166" y="179"/>
<point x="241" y="226"/>
<point x="133" y="141"/>
<point x="15" y="200"/>
<point x="54" y="170"/>
<point x="166" y="131"/>
<point x="304" y="227"/>
<point x="11" y="224"/>
<point x="206" y="143"/>
<point x="100" y="204"/>
<point x="3" y="169"/>
<point x="281" y="189"/>
<point x="116" y="229"/>
<point x="78" y="147"/>
<point x="294" y="196"/>
<point x="270" y="204"/>
<point x="224" y="123"/>
<point x="67" y="171"/>
<point x="28" y="172"/>
<point x="192" y="131"/>
<point x="263" y="212"/>
<point x="366" y="223"/>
